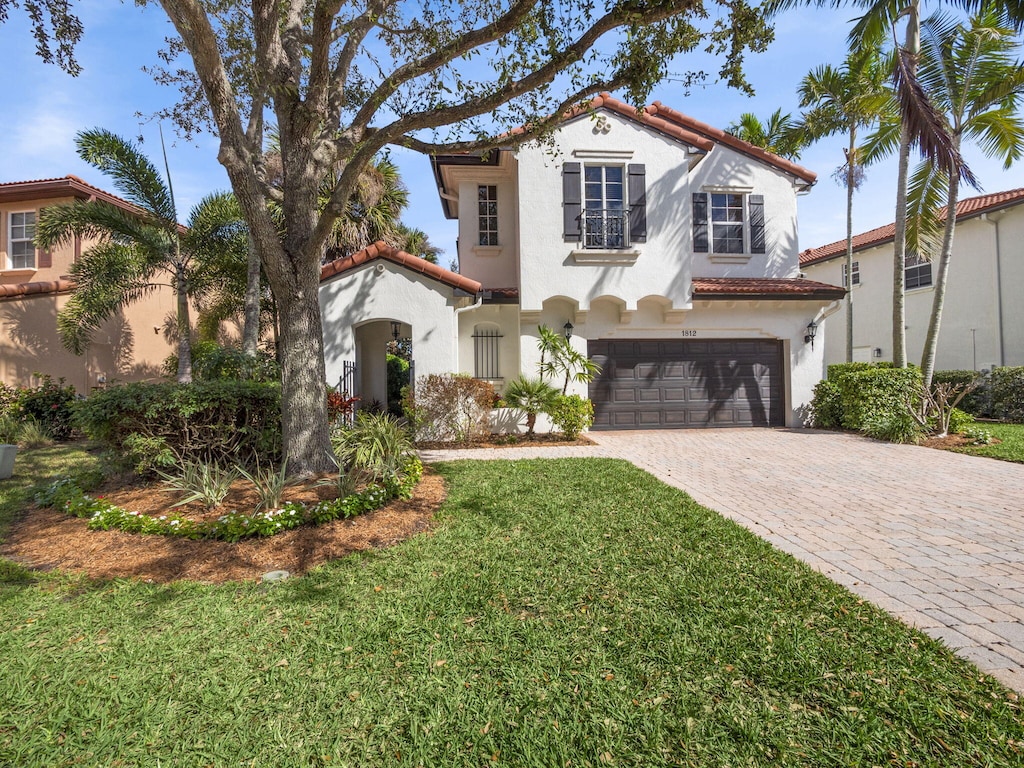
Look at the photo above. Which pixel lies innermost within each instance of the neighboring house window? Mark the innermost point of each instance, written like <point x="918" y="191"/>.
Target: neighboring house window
<point x="487" y="209"/>
<point x="21" y="245"/>
<point x="918" y="272"/>
<point x="856" y="275"/>
<point x="724" y="222"/>
<point x="604" y="212"/>
<point x="604" y="206"/>
<point x="486" y="339"/>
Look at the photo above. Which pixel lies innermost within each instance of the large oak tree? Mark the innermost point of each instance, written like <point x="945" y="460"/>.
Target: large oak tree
<point x="342" y="80"/>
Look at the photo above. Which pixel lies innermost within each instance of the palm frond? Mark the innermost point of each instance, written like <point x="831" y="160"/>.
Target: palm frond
<point x="134" y="176"/>
<point x="96" y="219"/>
<point x="926" y="194"/>
<point x="926" y="125"/>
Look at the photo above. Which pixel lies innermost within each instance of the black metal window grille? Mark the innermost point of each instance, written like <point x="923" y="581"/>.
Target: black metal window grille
<point x="487" y="209"/>
<point x="605" y="216"/>
<point x="727" y="222"/>
<point x="485" y="353"/>
<point x="856" y="275"/>
<point x="918" y="272"/>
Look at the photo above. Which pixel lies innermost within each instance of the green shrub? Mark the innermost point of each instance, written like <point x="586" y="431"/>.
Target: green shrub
<point x="959" y="421"/>
<point x="9" y="397"/>
<point x="10" y="430"/>
<point x="826" y="406"/>
<point x="975" y="402"/>
<point x="50" y="404"/>
<point x="877" y="396"/>
<point x="213" y="362"/>
<point x="893" y="425"/>
<point x="216" y="422"/>
<point x="1008" y="393"/>
<point x="571" y="414"/>
<point x="449" y="407"/>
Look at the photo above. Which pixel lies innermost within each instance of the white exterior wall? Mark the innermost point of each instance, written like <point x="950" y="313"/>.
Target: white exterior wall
<point x="384" y="291"/>
<point x="725" y="170"/>
<point x="506" y="318"/>
<point x="972" y="300"/>
<point x="493" y="266"/>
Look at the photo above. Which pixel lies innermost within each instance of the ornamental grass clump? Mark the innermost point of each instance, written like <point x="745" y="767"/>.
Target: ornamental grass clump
<point x="200" y="481"/>
<point x="377" y="444"/>
<point x="269" y="484"/>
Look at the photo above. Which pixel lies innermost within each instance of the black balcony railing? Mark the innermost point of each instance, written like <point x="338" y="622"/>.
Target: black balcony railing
<point x="605" y="228"/>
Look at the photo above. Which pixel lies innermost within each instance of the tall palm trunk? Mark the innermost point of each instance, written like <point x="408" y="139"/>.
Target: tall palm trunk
<point x="251" y="322"/>
<point x="851" y="172"/>
<point x="184" y="324"/>
<point x="931" y="343"/>
<point x="899" y="331"/>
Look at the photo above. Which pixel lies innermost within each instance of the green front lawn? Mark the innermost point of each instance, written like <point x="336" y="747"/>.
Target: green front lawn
<point x="1010" y="449"/>
<point x="563" y="612"/>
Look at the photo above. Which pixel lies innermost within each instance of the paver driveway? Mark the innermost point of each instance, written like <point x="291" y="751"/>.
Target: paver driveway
<point x="934" y="537"/>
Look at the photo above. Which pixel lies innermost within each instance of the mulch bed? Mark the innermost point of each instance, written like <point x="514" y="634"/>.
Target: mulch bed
<point x="511" y="441"/>
<point x="45" y="539"/>
<point x="951" y="441"/>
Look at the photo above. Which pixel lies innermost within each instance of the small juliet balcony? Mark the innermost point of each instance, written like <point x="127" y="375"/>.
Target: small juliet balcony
<point x="605" y="228"/>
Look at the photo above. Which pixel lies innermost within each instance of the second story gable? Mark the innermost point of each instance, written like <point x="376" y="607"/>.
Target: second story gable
<point x="623" y="203"/>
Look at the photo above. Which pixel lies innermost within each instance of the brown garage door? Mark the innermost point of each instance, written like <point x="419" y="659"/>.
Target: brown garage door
<point x="661" y="384"/>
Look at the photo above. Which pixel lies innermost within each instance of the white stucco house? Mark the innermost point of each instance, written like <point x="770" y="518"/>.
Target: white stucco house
<point x="667" y="248"/>
<point x="982" y="316"/>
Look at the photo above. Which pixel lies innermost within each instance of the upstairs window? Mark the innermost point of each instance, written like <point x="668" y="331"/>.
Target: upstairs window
<point x="918" y="272"/>
<point x="21" y="240"/>
<point x="487" y="214"/>
<point x="727" y="222"/>
<point x="856" y="275"/>
<point x="604" y="212"/>
<point x="604" y="206"/>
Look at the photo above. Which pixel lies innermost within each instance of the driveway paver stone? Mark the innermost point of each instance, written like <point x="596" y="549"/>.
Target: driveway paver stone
<point x="935" y="538"/>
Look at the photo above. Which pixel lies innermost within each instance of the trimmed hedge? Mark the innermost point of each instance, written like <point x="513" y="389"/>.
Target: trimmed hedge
<point x="1008" y="393"/>
<point x="869" y="398"/>
<point x="157" y="425"/>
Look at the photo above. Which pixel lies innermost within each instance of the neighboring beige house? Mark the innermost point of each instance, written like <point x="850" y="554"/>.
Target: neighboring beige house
<point x="983" y="314"/>
<point x="34" y="286"/>
<point x="664" y="247"/>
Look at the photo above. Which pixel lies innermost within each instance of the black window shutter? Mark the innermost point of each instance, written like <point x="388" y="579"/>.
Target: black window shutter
<point x="755" y="204"/>
<point x="572" y="201"/>
<point x="637" y="204"/>
<point x="700" y="222"/>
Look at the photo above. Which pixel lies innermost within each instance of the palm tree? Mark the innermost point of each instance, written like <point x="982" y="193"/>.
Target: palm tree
<point x="417" y="242"/>
<point x="847" y="99"/>
<point x="227" y="281"/>
<point x="531" y="396"/>
<point x="917" y="124"/>
<point x="135" y="250"/>
<point x="780" y="135"/>
<point x="970" y="74"/>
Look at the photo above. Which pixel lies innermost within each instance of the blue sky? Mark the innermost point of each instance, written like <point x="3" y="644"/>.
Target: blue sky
<point x="46" y="108"/>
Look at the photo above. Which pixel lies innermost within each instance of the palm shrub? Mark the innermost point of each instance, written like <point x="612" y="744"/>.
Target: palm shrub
<point x="530" y="396"/>
<point x="377" y="444"/>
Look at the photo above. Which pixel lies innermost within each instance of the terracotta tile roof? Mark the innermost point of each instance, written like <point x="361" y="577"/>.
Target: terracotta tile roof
<point x="381" y="250"/>
<point x="965" y="209"/>
<point x="500" y="295"/>
<point x="763" y="287"/>
<point x="19" y="290"/>
<point x="65" y="186"/>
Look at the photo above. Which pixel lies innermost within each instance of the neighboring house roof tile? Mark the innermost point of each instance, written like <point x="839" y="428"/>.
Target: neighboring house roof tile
<point x="965" y="209"/>
<point x="65" y="186"/>
<point x="381" y="250"/>
<point x="763" y="287"/>
<point x="20" y="290"/>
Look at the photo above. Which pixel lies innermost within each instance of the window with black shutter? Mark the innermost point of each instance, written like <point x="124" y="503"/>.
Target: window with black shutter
<point x="728" y="223"/>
